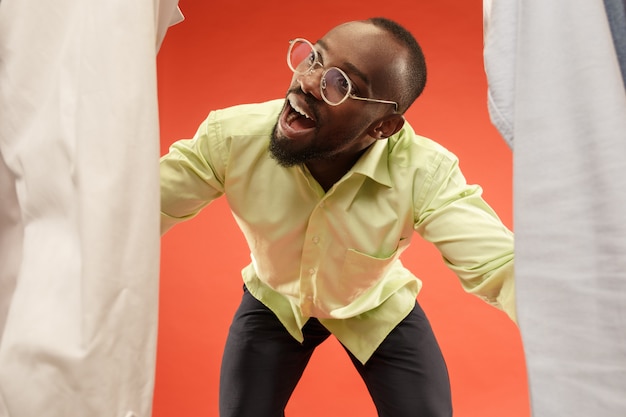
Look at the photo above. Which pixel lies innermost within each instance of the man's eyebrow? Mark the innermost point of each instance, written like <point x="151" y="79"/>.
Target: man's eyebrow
<point x="352" y="69"/>
<point x="347" y="66"/>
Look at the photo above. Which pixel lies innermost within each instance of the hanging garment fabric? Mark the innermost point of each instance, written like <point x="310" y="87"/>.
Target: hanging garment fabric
<point x="556" y="91"/>
<point x="79" y="206"/>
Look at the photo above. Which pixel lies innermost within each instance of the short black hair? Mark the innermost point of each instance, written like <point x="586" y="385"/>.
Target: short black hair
<point x="417" y="63"/>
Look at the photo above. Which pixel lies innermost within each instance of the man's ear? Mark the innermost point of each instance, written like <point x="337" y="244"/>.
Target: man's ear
<point x="386" y="126"/>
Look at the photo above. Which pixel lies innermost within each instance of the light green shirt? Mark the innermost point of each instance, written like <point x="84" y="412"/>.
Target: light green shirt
<point x="335" y="255"/>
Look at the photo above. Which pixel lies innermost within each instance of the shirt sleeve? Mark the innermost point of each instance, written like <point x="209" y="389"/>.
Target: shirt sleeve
<point x="192" y="174"/>
<point x="473" y="241"/>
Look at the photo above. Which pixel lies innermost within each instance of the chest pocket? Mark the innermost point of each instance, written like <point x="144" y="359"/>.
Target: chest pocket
<point x="361" y="272"/>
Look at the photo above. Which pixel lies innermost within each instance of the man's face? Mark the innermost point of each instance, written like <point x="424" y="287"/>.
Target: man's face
<point x="308" y="128"/>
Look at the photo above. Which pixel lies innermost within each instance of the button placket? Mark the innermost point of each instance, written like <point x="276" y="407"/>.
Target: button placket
<point x="312" y="253"/>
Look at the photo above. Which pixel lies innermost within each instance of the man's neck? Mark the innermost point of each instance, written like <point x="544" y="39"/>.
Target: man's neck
<point x="328" y="171"/>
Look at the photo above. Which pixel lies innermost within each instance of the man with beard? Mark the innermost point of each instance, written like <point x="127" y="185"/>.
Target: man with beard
<point x="328" y="187"/>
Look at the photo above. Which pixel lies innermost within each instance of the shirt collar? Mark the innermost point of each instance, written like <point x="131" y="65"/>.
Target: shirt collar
<point x="374" y="163"/>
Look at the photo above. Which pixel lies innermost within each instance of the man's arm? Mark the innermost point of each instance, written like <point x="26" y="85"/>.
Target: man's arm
<point x="192" y="175"/>
<point x="472" y="239"/>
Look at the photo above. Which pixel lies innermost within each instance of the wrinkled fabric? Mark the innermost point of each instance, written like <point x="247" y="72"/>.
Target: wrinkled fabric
<point x="334" y="255"/>
<point x="500" y="40"/>
<point x="565" y="101"/>
<point x="79" y="222"/>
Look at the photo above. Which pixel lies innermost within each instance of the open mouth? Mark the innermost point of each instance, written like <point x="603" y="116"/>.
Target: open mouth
<point x="297" y="119"/>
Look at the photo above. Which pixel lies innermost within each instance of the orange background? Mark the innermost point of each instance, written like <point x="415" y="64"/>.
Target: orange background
<point x="228" y="52"/>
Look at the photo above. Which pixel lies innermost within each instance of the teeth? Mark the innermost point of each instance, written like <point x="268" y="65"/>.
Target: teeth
<point x="299" y="110"/>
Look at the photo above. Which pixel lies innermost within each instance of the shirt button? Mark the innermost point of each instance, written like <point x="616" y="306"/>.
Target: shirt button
<point x="311" y="271"/>
<point x="316" y="239"/>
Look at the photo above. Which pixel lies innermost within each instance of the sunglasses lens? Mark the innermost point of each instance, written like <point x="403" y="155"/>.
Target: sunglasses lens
<point x="301" y="56"/>
<point x="335" y="86"/>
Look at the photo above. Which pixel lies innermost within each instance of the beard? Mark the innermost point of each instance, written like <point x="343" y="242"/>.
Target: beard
<point x="281" y="149"/>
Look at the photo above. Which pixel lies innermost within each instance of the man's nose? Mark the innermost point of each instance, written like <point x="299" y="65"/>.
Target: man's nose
<point x="310" y="82"/>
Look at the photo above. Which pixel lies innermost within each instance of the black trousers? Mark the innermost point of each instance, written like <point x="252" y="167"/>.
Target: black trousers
<point x="262" y="363"/>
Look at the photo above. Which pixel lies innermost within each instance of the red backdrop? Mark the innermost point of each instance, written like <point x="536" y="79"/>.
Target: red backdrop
<point x="228" y="52"/>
